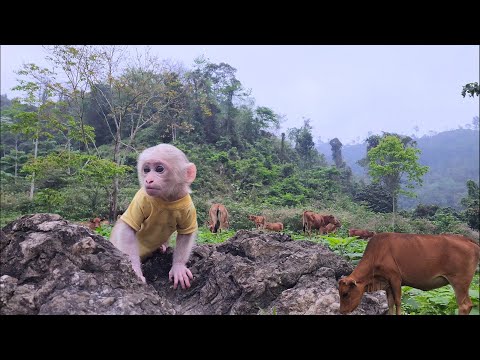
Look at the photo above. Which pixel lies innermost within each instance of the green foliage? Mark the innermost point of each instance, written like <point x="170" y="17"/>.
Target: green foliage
<point x="471" y="202"/>
<point x="350" y="248"/>
<point x="49" y="200"/>
<point x="439" y="301"/>
<point x="207" y="237"/>
<point x="391" y="160"/>
<point x="374" y="196"/>
<point x="104" y="230"/>
<point x="445" y="221"/>
<point x="471" y="89"/>
<point x="74" y="165"/>
<point x="425" y="211"/>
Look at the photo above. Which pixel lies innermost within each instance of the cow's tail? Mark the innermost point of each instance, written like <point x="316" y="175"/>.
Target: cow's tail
<point x="304" y="225"/>
<point x="217" y="222"/>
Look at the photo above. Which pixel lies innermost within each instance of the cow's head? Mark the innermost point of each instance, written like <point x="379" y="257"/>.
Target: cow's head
<point x="209" y="225"/>
<point x="350" y="294"/>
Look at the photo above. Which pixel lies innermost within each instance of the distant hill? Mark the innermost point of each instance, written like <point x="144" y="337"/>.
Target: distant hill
<point x="453" y="158"/>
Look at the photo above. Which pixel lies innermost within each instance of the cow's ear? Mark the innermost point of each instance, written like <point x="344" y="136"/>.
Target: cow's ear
<point x="352" y="283"/>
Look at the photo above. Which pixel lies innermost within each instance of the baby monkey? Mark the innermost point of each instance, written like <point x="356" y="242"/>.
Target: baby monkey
<point x="160" y="207"/>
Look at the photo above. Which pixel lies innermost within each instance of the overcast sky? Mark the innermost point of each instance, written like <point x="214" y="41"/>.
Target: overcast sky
<point x="346" y="91"/>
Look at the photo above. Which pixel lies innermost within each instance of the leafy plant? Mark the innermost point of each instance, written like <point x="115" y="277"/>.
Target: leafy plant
<point x="207" y="237"/>
<point x="439" y="301"/>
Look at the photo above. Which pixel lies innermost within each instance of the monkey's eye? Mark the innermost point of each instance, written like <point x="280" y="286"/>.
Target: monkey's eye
<point x="146" y="169"/>
<point x="160" y="169"/>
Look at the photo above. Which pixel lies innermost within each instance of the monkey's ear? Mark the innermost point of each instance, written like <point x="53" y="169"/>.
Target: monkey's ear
<point x="191" y="172"/>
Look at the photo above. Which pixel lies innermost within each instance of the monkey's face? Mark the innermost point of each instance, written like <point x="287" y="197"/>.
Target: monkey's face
<point x="155" y="177"/>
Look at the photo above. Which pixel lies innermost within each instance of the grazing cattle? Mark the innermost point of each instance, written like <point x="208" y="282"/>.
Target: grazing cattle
<point x="218" y="216"/>
<point x="314" y="221"/>
<point x="97" y="222"/>
<point x="331" y="227"/>
<point x="362" y="234"/>
<point x="424" y="262"/>
<point x="258" y="220"/>
<point x="277" y="226"/>
<point x="94" y="223"/>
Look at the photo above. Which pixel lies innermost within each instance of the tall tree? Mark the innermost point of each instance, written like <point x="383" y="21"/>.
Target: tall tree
<point x="389" y="161"/>
<point x="131" y="95"/>
<point x="471" y="89"/>
<point x="303" y="143"/>
<point x="75" y="64"/>
<point x="32" y="111"/>
<point x="471" y="203"/>
<point x="337" y="152"/>
<point x="205" y="106"/>
<point x="345" y="172"/>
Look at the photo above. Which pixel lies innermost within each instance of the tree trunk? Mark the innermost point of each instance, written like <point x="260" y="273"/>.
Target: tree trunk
<point x="393" y="206"/>
<point x="117" y="160"/>
<point x="32" y="184"/>
<point x="16" y="159"/>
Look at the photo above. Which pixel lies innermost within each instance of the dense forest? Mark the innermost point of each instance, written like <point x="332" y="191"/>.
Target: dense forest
<point x="70" y="144"/>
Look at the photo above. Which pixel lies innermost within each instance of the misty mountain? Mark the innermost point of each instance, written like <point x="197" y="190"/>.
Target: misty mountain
<point x="453" y="158"/>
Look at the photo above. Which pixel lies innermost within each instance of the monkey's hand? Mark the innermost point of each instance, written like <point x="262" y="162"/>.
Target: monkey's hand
<point x="139" y="273"/>
<point x="180" y="274"/>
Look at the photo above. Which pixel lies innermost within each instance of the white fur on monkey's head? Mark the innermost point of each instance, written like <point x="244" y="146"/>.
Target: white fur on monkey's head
<point x="171" y="155"/>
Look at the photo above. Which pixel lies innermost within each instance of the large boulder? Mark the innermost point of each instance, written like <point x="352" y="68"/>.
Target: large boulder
<point x="52" y="266"/>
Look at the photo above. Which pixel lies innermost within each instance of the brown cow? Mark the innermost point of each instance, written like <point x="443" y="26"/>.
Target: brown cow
<point x="314" y="221"/>
<point x="258" y="220"/>
<point x="362" y="234"/>
<point x="332" y="227"/>
<point x="97" y="222"/>
<point x="425" y="262"/>
<point x="218" y="216"/>
<point x="94" y="223"/>
<point x="277" y="226"/>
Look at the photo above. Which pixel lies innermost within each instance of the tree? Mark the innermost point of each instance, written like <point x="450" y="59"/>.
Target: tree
<point x="389" y="161"/>
<point x="374" y="196"/>
<point x="337" y="152"/>
<point x="33" y="113"/>
<point x="471" y="89"/>
<point x="76" y="62"/>
<point x="304" y="146"/>
<point x="471" y="202"/>
<point x="345" y="171"/>
<point x="475" y="123"/>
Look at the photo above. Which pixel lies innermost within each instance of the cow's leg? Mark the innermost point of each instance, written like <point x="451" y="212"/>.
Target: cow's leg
<point x="460" y="286"/>
<point x="390" y="300"/>
<point x="396" y="288"/>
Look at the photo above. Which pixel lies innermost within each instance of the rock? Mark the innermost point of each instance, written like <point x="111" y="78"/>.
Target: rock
<point x="52" y="266"/>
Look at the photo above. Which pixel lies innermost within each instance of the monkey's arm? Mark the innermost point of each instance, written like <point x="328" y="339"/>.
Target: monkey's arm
<point x="179" y="272"/>
<point x="123" y="238"/>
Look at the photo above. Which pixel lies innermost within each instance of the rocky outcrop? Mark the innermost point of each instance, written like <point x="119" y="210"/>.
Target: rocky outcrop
<point x="52" y="266"/>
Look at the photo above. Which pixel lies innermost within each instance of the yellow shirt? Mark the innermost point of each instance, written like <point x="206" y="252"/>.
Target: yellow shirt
<point x="156" y="220"/>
